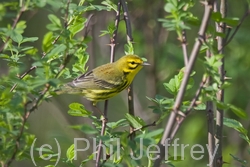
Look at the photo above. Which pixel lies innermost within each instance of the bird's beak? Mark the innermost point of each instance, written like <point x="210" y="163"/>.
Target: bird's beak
<point x="145" y="64"/>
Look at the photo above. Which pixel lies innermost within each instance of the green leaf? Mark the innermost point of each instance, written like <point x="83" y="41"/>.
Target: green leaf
<point x="129" y="48"/>
<point x="78" y="25"/>
<point x="47" y="41"/>
<point x="110" y="5"/>
<point x="55" y="20"/>
<point x="15" y="36"/>
<point x="29" y="39"/>
<point x="231" y="21"/>
<point x="21" y="25"/>
<point x="169" y="8"/>
<point x="176" y="158"/>
<point x="120" y="123"/>
<point x="245" y="137"/>
<point x="238" y="159"/>
<point x="152" y="134"/>
<point x="200" y="107"/>
<point x="135" y="122"/>
<point x="56" y="52"/>
<point x="70" y="154"/>
<point x="232" y="123"/>
<point x="237" y="111"/>
<point x="216" y="16"/>
<point x="77" y="109"/>
<point x="87" y="129"/>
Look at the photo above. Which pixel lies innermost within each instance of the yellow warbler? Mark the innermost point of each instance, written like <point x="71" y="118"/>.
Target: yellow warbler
<point x="106" y="80"/>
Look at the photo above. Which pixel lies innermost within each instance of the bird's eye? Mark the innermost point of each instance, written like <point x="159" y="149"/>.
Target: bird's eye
<point x="132" y="62"/>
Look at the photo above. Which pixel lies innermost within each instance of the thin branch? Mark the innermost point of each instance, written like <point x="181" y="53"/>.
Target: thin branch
<point x="127" y="21"/>
<point x="104" y="123"/>
<point x="188" y="69"/>
<point x="188" y="111"/>
<point x="87" y="25"/>
<point x="141" y="128"/>
<point x="184" y="46"/>
<point x="112" y="57"/>
<point x="113" y="40"/>
<point x="129" y="39"/>
<point x="22" y="76"/>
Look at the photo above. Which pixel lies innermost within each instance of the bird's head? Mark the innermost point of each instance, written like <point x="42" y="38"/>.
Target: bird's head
<point x="131" y="64"/>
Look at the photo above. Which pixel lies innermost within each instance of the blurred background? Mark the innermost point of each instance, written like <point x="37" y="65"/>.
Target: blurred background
<point x="163" y="51"/>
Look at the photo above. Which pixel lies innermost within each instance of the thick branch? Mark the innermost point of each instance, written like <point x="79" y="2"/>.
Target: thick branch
<point x="188" y="69"/>
<point x="220" y="94"/>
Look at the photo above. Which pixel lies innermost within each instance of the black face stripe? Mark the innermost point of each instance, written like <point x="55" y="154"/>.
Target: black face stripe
<point x="125" y="73"/>
<point x="132" y="68"/>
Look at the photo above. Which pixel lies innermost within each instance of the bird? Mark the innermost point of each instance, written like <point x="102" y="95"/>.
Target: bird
<point x="105" y="81"/>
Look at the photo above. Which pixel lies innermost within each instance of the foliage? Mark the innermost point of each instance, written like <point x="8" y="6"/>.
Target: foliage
<point x="61" y="54"/>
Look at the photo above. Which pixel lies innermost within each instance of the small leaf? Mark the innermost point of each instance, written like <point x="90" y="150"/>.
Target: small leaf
<point x="70" y="153"/>
<point x="238" y="159"/>
<point x="237" y="111"/>
<point x="87" y="129"/>
<point x="176" y="158"/>
<point x="77" y="109"/>
<point x="231" y="21"/>
<point x="15" y="36"/>
<point x="54" y="19"/>
<point x="47" y="41"/>
<point x="200" y="107"/>
<point x="21" y="25"/>
<point x="30" y="39"/>
<point x="135" y="122"/>
<point x="232" y="123"/>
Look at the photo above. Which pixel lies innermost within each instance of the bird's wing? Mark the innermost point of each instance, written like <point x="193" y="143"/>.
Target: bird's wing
<point x="91" y="80"/>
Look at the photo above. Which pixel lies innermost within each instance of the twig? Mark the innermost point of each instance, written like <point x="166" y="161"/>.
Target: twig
<point x="22" y="76"/>
<point x="113" y="40"/>
<point x="129" y="39"/>
<point x="86" y="25"/>
<point x="141" y="128"/>
<point x="23" y="9"/>
<point x="127" y="21"/>
<point x="236" y="30"/>
<point x="104" y="123"/>
<point x="188" y="111"/>
<point x="188" y="69"/>
<point x="112" y="57"/>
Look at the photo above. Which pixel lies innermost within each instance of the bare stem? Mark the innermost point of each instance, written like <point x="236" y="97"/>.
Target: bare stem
<point x="141" y="128"/>
<point x="112" y="57"/>
<point x="188" y="69"/>
<point x="210" y="119"/>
